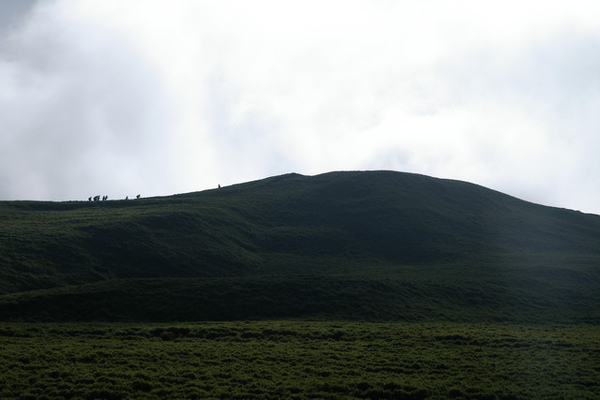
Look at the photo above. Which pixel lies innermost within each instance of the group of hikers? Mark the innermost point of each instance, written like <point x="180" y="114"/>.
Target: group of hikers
<point x="104" y="198"/>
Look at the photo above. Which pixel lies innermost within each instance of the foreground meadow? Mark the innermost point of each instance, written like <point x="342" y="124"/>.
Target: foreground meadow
<point x="298" y="360"/>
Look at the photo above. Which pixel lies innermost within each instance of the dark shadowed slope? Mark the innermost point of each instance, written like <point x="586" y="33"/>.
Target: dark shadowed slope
<point x="377" y="245"/>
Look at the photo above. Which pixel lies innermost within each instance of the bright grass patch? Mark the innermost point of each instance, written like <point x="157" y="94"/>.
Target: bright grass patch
<point x="299" y="360"/>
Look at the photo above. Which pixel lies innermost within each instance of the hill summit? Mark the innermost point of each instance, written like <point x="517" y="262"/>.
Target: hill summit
<point x="377" y="245"/>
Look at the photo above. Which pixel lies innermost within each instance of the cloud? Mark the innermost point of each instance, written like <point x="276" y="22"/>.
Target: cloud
<point x="547" y="90"/>
<point x="79" y="107"/>
<point x="164" y="97"/>
<point x="12" y="13"/>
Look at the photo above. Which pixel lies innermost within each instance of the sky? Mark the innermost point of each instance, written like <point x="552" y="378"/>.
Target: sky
<point x="153" y="97"/>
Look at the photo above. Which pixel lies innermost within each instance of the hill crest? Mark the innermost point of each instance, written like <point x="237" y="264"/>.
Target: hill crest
<point x="370" y="235"/>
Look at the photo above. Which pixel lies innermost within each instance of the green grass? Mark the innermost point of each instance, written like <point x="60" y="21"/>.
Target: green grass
<point x="416" y="293"/>
<point x="299" y="360"/>
<point x="353" y="245"/>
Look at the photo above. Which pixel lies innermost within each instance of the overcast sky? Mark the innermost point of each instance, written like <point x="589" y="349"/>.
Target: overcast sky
<point x="120" y="97"/>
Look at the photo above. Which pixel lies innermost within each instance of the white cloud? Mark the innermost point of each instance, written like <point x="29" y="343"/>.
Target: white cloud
<point x="177" y="96"/>
<point x="82" y="109"/>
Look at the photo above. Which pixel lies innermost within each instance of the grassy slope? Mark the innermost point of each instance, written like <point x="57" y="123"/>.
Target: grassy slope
<point x="374" y="245"/>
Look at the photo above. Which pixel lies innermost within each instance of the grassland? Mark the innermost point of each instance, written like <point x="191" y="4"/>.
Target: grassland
<point x="373" y="285"/>
<point x="299" y="360"/>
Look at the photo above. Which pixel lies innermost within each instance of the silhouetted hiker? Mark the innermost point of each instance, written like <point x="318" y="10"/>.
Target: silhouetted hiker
<point x="96" y="198"/>
<point x="137" y="197"/>
<point x="90" y="198"/>
<point x="219" y="186"/>
<point x="126" y="197"/>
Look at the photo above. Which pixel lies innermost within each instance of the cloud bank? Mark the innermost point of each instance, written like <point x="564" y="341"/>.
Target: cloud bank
<point x="154" y="97"/>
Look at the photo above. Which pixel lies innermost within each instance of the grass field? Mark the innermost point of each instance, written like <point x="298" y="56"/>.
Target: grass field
<point x="372" y="285"/>
<point x="298" y="360"/>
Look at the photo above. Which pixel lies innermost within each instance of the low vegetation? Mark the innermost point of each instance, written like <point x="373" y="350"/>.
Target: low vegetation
<point x="428" y="294"/>
<point x="299" y="360"/>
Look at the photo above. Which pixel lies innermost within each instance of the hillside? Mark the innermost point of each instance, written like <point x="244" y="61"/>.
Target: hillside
<point x="361" y="245"/>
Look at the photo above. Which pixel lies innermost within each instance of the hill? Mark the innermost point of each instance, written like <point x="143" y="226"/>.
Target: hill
<point x="376" y="245"/>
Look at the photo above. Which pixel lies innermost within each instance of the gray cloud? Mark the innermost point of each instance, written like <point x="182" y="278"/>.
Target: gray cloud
<point x="12" y="14"/>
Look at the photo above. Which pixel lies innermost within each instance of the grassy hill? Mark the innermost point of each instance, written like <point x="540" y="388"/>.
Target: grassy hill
<point x="352" y="245"/>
